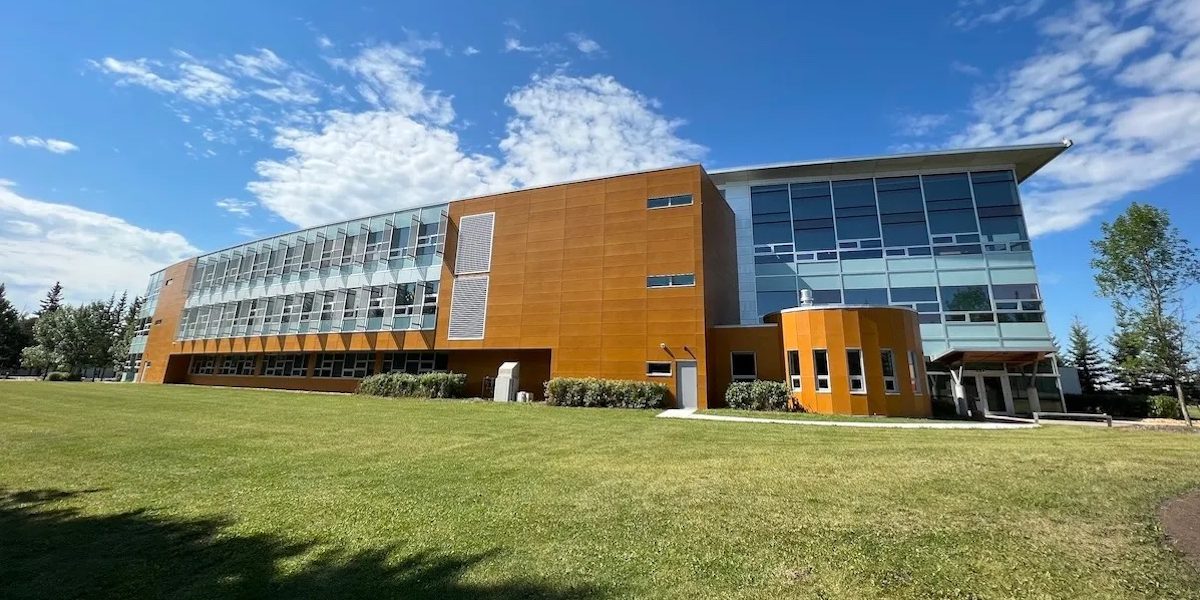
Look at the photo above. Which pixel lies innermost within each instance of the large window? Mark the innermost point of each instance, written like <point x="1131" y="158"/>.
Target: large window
<point x="821" y="369"/>
<point x="772" y="219"/>
<point x="962" y="298"/>
<point x="415" y="362"/>
<point x="812" y="216"/>
<point x="237" y="364"/>
<point x="769" y="302"/>
<point x="285" y="365"/>
<point x="345" y="364"/>
<point x="1000" y="217"/>
<point x="948" y="200"/>
<point x="868" y="297"/>
<point x="888" y="360"/>
<point x="203" y="365"/>
<point x="902" y="211"/>
<point x="744" y="367"/>
<point x="854" y="207"/>
<point x="854" y="365"/>
<point x="793" y="361"/>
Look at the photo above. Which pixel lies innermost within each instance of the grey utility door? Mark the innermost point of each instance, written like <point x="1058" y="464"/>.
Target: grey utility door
<point x="685" y="383"/>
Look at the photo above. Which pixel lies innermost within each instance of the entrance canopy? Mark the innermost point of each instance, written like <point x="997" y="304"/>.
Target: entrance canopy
<point x="955" y="357"/>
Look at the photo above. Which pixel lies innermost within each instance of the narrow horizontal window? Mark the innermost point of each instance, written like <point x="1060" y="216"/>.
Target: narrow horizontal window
<point x="681" y="280"/>
<point x="658" y="369"/>
<point x="669" y="201"/>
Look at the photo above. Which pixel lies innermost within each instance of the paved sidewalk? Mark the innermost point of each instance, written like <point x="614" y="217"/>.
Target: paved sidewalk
<point x="690" y="413"/>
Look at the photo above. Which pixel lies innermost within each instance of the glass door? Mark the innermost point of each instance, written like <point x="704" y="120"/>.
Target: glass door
<point x="995" y="391"/>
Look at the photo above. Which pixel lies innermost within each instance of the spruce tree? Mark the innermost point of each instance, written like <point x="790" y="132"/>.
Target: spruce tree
<point x="52" y="301"/>
<point x="1085" y="357"/>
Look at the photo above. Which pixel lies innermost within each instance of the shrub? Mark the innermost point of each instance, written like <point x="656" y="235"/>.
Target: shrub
<point x="408" y="385"/>
<point x="759" y="395"/>
<point x="1164" y="407"/>
<point x="1118" y="405"/>
<point x="63" y="376"/>
<point x="606" y="393"/>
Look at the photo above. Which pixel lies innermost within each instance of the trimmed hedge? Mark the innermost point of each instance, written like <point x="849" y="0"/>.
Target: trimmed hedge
<point x="1164" y="407"/>
<point x="407" y="385"/>
<point x="1111" y="403"/>
<point x="760" y="395"/>
<point x="63" y="376"/>
<point x="606" y="393"/>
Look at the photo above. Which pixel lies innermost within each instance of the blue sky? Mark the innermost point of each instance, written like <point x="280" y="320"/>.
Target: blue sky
<point x="136" y="134"/>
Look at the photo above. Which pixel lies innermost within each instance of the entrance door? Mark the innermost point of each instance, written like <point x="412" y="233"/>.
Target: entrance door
<point x="995" y="390"/>
<point x="685" y="383"/>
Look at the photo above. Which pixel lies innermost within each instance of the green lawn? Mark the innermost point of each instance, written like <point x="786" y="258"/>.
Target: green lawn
<point x="804" y="416"/>
<point x="127" y="491"/>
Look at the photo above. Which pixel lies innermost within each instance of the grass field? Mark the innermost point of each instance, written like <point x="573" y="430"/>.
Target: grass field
<point x="127" y="491"/>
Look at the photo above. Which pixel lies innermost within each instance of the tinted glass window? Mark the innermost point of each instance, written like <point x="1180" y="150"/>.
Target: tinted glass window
<point x="771" y="214"/>
<point x="914" y="294"/>
<point x="812" y="211"/>
<point x="1016" y="291"/>
<point x="965" y="297"/>
<point x="902" y="211"/>
<point x="854" y="206"/>
<point x="873" y="297"/>
<point x="827" y="296"/>
<point x="948" y="200"/>
<point x="994" y="188"/>
<point x="769" y="302"/>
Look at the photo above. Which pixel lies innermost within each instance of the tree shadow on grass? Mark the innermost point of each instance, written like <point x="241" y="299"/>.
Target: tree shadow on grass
<point x="47" y="551"/>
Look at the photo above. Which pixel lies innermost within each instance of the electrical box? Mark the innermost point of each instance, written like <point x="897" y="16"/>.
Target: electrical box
<point x="507" y="382"/>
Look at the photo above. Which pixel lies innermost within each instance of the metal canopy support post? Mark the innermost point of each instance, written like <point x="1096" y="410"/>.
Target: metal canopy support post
<point x="960" y="392"/>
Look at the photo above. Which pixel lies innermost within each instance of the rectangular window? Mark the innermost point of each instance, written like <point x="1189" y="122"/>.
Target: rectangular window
<point x="658" y="369"/>
<point x="889" y="371"/>
<point x="744" y="366"/>
<point x="669" y="201"/>
<point x="821" y="369"/>
<point x="948" y="201"/>
<point x="682" y="280"/>
<point x="913" y="372"/>
<point x="965" y="298"/>
<point x="203" y="365"/>
<point x="902" y="211"/>
<point x="415" y="362"/>
<point x="346" y="365"/>
<point x="793" y="361"/>
<point x="285" y="365"/>
<point x="868" y="297"/>
<point x="854" y="365"/>
<point x="771" y="217"/>
<point x="914" y="294"/>
<point x="855" y="210"/>
<point x="769" y="302"/>
<point x="812" y="216"/>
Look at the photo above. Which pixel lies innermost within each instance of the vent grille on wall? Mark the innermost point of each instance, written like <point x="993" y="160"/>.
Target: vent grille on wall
<point x="474" y="244"/>
<point x="468" y="307"/>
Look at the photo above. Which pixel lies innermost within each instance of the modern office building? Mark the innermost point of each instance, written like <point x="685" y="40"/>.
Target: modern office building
<point x="871" y="285"/>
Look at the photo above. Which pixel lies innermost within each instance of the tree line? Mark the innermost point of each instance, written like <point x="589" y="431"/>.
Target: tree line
<point x="1146" y="269"/>
<point x="64" y="337"/>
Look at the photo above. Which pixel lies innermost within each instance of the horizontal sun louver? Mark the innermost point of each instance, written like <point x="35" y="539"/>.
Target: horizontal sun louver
<point x="474" y="244"/>
<point x="468" y="307"/>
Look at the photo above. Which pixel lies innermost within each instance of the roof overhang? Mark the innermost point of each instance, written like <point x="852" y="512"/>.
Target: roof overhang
<point x="957" y="356"/>
<point x="1025" y="161"/>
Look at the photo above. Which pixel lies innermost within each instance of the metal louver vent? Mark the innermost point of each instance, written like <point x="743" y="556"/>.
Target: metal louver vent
<point x="474" y="244"/>
<point x="468" y="307"/>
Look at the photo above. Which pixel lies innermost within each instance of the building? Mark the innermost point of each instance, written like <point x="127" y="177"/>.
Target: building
<point x="679" y="275"/>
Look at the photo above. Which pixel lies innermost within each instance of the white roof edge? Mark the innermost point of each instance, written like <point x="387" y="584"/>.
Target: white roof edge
<point x="1064" y="144"/>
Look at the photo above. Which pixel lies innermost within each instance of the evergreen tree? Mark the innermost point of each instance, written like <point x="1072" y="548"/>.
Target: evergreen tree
<point x="1085" y="357"/>
<point x="52" y="301"/>
<point x="12" y="333"/>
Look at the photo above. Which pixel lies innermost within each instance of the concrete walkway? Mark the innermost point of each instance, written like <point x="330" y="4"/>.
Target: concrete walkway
<point x="690" y="413"/>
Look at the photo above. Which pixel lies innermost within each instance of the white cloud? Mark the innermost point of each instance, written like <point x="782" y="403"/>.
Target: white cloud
<point x="969" y="14"/>
<point x="470" y="51"/>
<point x="236" y="207"/>
<point x="965" y="68"/>
<point x="405" y="152"/>
<point x="1124" y="83"/>
<point x="923" y="124"/>
<point x="50" y="144"/>
<point x="93" y="254"/>
<point x="584" y="44"/>
<point x="324" y="43"/>
<point x="248" y="232"/>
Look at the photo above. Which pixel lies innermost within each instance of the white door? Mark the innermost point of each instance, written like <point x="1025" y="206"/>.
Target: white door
<point x="685" y="383"/>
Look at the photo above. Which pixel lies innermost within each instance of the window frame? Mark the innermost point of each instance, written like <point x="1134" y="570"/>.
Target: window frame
<point x="671" y="201"/>
<point x="861" y="378"/>
<point x="913" y="373"/>
<point x="671" y="280"/>
<point x="887" y="358"/>
<point x="823" y="382"/>
<point x="651" y="373"/>
<point x="794" y="370"/>
<point x="753" y="356"/>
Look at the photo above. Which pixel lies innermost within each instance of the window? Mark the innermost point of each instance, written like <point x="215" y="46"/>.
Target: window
<point x="658" y="369"/>
<point x="415" y="362"/>
<point x="854" y="364"/>
<point x="771" y="217"/>
<point x="348" y="364"/>
<point x="889" y="371"/>
<point x="948" y="200"/>
<point x="821" y="369"/>
<point x="285" y="365"/>
<point x="868" y="297"/>
<point x="203" y="365"/>
<point x="1015" y="291"/>
<point x="430" y="298"/>
<point x="669" y="201"/>
<point x="902" y="211"/>
<point x="854" y="207"/>
<point x="744" y="366"/>
<point x="812" y="216"/>
<point x="793" y="361"/>
<point x="237" y="364"/>
<point x="965" y="298"/>
<point x="769" y="302"/>
<point x="913" y="371"/>
<point x="915" y="294"/>
<point x="657" y="281"/>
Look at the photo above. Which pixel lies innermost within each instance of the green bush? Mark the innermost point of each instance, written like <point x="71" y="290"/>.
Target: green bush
<point x="1125" y="406"/>
<point x="407" y="385"/>
<point x="606" y="393"/>
<point x="63" y="376"/>
<point x="759" y="395"/>
<point x="1164" y="407"/>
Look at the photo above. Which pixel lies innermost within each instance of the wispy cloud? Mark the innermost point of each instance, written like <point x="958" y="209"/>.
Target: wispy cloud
<point x="972" y="13"/>
<point x="50" y="144"/>
<point x="585" y="44"/>
<point x="323" y="42"/>
<point x="233" y="206"/>
<point x="920" y="125"/>
<point x="470" y="51"/>
<point x="965" y="68"/>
